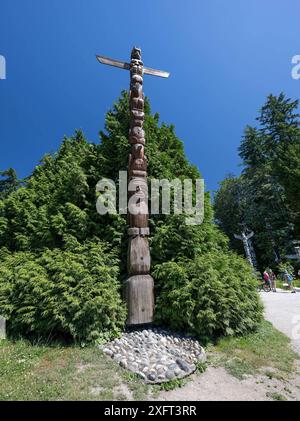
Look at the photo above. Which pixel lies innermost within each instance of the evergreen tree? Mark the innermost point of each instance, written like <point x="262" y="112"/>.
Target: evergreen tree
<point x="288" y="169"/>
<point x="267" y="183"/>
<point x="9" y="184"/>
<point x="230" y="208"/>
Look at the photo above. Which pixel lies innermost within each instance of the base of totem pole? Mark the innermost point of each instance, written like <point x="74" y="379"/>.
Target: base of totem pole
<point x="139" y="293"/>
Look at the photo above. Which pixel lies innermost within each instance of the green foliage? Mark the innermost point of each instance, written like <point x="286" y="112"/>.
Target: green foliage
<point x="9" y="183"/>
<point x="73" y="291"/>
<point x="201" y="367"/>
<point x="59" y="275"/>
<point x="230" y="208"/>
<point x="172" y="384"/>
<point x="288" y="169"/>
<point x="285" y="267"/>
<point x="173" y="239"/>
<point x="265" y="197"/>
<point x="276" y="396"/>
<point x="210" y="295"/>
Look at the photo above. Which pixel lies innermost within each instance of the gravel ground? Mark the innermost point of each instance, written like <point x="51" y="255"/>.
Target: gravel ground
<point x="215" y="384"/>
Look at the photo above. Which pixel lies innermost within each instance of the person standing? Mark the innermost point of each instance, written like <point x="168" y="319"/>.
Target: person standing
<point x="289" y="279"/>
<point x="266" y="277"/>
<point x="273" y="280"/>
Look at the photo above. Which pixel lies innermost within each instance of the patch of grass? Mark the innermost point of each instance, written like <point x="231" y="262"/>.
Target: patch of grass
<point x="136" y="385"/>
<point x="276" y="396"/>
<point x="43" y="372"/>
<point x="201" y="367"/>
<point x="269" y="374"/>
<point x="238" y="367"/>
<point x="267" y="347"/>
<point x="274" y="375"/>
<point x="279" y="283"/>
<point x="171" y="385"/>
<point x="176" y="383"/>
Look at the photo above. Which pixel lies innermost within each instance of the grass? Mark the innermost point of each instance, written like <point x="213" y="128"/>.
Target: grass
<point x="201" y="367"/>
<point x="57" y="372"/>
<point x="170" y="385"/>
<point x="41" y="372"/>
<point x="279" y="283"/>
<point x="250" y="354"/>
<point x="276" y="396"/>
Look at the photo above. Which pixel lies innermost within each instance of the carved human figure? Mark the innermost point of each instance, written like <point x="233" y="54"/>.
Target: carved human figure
<point x="137" y="164"/>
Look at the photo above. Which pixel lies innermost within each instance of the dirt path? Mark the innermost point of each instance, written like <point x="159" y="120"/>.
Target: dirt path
<point x="216" y="384"/>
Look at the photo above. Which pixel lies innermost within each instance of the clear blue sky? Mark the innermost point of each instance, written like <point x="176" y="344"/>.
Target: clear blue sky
<point x="225" y="57"/>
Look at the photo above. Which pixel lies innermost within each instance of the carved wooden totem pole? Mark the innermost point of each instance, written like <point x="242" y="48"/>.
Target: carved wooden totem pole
<point x="139" y="285"/>
<point x="246" y="237"/>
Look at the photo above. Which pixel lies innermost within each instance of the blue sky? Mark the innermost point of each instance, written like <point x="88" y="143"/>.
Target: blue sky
<point x="225" y="57"/>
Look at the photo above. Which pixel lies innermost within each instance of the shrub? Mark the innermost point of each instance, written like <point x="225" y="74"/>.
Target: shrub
<point x="73" y="292"/>
<point x="214" y="294"/>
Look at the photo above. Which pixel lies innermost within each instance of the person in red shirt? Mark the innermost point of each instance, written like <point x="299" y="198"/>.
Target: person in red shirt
<point x="266" y="277"/>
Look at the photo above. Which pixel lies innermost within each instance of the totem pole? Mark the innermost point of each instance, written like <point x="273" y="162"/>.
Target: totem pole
<point x="139" y="287"/>
<point x="249" y="251"/>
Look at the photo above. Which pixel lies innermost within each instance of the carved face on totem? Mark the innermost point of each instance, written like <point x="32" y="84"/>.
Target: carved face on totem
<point x="138" y="151"/>
<point x="136" y="53"/>
<point x="137" y="135"/>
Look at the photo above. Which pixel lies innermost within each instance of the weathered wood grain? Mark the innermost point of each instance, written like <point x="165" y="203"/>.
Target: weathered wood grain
<point x="139" y="292"/>
<point x="138" y="255"/>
